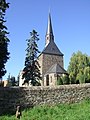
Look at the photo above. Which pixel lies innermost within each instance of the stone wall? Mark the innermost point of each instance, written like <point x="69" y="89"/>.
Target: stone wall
<point x="32" y="96"/>
<point x="49" y="60"/>
<point x="46" y="61"/>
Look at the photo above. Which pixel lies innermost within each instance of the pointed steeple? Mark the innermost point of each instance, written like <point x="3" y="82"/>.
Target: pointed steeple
<point x="49" y="33"/>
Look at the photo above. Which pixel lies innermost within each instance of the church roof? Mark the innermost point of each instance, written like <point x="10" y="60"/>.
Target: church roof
<point x="49" y="27"/>
<point x="52" y="48"/>
<point x="56" y="68"/>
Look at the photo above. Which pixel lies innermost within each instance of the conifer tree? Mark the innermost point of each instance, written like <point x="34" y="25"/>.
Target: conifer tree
<point x="31" y="71"/>
<point x="4" y="54"/>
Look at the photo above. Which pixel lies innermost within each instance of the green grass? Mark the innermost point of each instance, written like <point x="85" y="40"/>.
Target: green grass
<point x="76" y="111"/>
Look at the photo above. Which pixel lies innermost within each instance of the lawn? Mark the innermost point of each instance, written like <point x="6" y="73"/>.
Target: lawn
<point x="76" y="111"/>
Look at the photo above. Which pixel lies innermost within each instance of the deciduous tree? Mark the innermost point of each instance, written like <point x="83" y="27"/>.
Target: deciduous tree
<point x="79" y="68"/>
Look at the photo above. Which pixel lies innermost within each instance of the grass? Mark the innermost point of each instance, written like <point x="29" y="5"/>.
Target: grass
<point x="76" y="111"/>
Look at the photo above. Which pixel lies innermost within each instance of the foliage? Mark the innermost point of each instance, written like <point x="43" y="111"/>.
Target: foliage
<point x="13" y="81"/>
<point x="31" y="70"/>
<point x="75" y="111"/>
<point x="59" y="81"/>
<point x="4" y="54"/>
<point x="79" y="68"/>
<point x="63" y="80"/>
<point x="87" y="74"/>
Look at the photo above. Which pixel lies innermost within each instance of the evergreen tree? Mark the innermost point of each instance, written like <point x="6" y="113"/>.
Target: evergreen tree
<point x="4" y="54"/>
<point x="31" y="71"/>
<point x="13" y="81"/>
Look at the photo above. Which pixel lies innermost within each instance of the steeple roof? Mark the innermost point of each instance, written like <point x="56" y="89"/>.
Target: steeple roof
<point x="49" y="27"/>
<point x="49" y="32"/>
<point x="56" y="68"/>
<point x="52" y="48"/>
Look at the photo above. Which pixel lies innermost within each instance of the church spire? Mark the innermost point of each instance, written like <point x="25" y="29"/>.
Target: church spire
<point x="49" y="33"/>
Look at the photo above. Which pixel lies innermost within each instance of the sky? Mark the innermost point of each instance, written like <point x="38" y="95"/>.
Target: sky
<point x="70" y="22"/>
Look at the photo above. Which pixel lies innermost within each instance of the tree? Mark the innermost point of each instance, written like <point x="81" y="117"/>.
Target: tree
<point x="13" y="81"/>
<point x="31" y="71"/>
<point x="59" y="81"/>
<point x="65" y="79"/>
<point x="4" y="54"/>
<point x="79" y="68"/>
<point x="87" y="74"/>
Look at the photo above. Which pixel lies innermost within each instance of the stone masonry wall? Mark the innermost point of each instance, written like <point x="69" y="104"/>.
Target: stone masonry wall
<point x="32" y="96"/>
<point x="49" y="60"/>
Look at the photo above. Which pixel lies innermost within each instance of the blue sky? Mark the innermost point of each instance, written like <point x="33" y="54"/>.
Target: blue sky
<point x="70" y="21"/>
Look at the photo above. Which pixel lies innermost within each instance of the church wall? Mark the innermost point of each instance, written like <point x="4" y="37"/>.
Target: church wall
<point x="45" y="62"/>
<point x="49" y="60"/>
<point x="40" y="61"/>
<point x="52" y="79"/>
<point x="21" y="81"/>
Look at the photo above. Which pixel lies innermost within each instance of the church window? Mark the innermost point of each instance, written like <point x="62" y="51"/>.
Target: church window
<point x="47" y="80"/>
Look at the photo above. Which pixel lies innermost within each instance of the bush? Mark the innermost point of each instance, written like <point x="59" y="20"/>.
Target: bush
<point x="59" y="81"/>
<point x="65" y="79"/>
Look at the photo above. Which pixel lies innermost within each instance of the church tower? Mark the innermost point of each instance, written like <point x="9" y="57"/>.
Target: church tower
<point x="51" y="58"/>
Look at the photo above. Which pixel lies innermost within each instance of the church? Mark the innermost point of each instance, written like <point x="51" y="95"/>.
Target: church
<point x="50" y="60"/>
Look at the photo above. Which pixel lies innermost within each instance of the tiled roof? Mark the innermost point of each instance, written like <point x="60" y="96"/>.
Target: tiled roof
<point x="52" y="48"/>
<point x="56" y="68"/>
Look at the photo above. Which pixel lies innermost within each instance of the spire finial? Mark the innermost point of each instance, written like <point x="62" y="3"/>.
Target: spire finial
<point x="49" y="33"/>
<point x="49" y="10"/>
